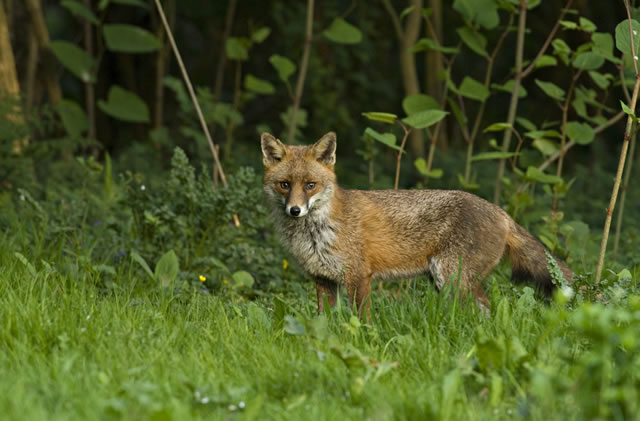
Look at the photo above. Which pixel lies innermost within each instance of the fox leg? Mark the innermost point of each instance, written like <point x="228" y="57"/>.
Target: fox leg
<point x="324" y="287"/>
<point x="358" y="291"/>
<point x="449" y="269"/>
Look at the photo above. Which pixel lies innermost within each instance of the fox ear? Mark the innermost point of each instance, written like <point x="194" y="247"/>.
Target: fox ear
<point x="272" y="149"/>
<point x="324" y="150"/>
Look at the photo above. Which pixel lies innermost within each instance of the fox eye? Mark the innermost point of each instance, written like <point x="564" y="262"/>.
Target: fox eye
<point x="310" y="186"/>
<point x="284" y="185"/>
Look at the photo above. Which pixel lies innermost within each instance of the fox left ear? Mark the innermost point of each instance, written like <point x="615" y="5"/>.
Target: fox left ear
<point x="324" y="150"/>
<point x="272" y="149"/>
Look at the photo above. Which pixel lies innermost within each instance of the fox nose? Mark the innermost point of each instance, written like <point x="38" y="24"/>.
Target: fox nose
<point x="294" y="211"/>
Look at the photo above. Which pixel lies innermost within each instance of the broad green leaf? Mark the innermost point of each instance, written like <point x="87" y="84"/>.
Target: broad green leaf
<point x="473" y="89"/>
<point x="125" y="38"/>
<point x="125" y="105"/>
<point x="138" y="3"/>
<point x="388" y="139"/>
<point x="342" y="32"/>
<point x="467" y="185"/>
<point x="586" y="25"/>
<point x="421" y="166"/>
<point x="293" y="327"/>
<point x="143" y="264"/>
<point x="545" y="146"/>
<point x="492" y="155"/>
<point x="588" y="61"/>
<point x="80" y="10"/>
<point x="74" y="59"/>
<point x="424" y="119"/>
<point x="242" y="279"/>
<point x="283" y="65"/>
<point x="627" y="110"/>
<point x="261" y="34"/>
<point x="567" y="24"/>
<point x="418" y="102"/>
<point x="551" y="89"/>
<point x="509" y="86"/>
<point x="167" y="269"/>
<point x="497" y="127"/>
<point x="382" y="117"/>
<point x="406" y="11"/>
<point x="601" y="80"/>
<point x="535" y="175"/>
<point x="603" y="46"/>
<point x="253" y="84"/>
<point x="427" y="44"/>
<point x="457" y="112"/>
<point x="526" y="124"/>
<point x="536" y="134"/>
<point x="581" y="133"/>
<point x="623" y="40"/>
<point x="474" y="40"/>
<point x="483" y="12"/>
<point x="74" y="119"/>
<point x="545" y="61"/>
<point x="561" y="49"/>
<point x="237" y="48"/>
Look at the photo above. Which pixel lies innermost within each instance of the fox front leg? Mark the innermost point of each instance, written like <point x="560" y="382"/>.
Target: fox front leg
<point x="358" y="292"/>
<point x="326" y="288"/>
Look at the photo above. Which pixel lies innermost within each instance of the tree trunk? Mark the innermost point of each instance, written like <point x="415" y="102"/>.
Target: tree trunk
<point x="39" y="27"/>
<point x="9" y="85"/>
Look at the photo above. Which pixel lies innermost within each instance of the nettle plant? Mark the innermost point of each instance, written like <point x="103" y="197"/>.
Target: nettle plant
<point x="595" y="76"/>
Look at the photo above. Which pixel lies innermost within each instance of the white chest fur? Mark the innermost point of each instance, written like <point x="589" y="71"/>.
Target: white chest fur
<point x="311" y="240"/>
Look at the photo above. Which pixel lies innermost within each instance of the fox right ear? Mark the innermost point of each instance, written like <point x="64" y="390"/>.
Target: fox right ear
<point x="272" y="149"/>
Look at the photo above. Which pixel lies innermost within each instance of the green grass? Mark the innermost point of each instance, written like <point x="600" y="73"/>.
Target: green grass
<point x="71" y="349"/>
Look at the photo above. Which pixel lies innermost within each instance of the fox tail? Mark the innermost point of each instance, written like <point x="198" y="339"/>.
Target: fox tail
<point x="529" y="260"/>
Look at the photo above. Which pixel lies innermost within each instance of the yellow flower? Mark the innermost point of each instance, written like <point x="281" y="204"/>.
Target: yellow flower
<point x="202" y="278"/>
<point x="224" y="281"/>
<point x="285" y="264"/>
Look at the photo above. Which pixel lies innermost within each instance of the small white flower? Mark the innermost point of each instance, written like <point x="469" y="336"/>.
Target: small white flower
<point x="241" y="405"/>
<point x="635" y="32"/>
<point x="204" y="400"/>
<point x="635" y="58"/>
<point x="568" y="292"/>
<point x="143" y="188"/>
<point x="232" y="407"/>
<point x="22" y="197"/>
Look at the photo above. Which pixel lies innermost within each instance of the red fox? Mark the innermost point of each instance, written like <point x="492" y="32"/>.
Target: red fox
<point x="346" y="238"/>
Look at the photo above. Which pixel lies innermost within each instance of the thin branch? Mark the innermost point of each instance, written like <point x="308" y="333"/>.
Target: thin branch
<point x="397" y="26"/>
<point x="552" y="34"/>
<point x="399" y="158"/>
<point x="192" y="93"/>
<point x="303" y="72"/>
<point x="623" y="197"/>
<point x="513" y="105"/>
<point x="572" y="143"/>
<point x="623" y="156"/>
<point x="228" y="24"/>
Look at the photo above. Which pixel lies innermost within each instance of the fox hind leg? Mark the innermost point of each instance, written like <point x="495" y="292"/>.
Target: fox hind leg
<point x="447" y="269"/>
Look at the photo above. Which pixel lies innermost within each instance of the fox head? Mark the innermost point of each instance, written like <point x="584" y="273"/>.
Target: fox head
<point x="299" y="178"/>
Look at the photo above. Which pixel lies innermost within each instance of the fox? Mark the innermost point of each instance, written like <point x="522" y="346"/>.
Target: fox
<point x="344" y="238"/>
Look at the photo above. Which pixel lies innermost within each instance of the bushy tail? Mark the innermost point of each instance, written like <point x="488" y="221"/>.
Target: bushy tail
<point x="529" y="261"/>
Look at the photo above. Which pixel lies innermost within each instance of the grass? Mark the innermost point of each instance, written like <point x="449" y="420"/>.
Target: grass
<point x="71" y="349"/>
